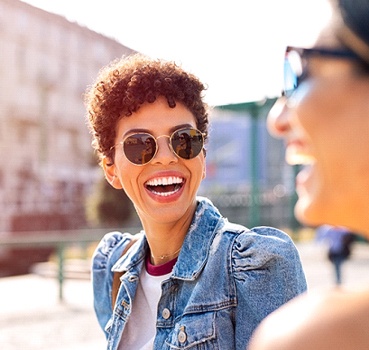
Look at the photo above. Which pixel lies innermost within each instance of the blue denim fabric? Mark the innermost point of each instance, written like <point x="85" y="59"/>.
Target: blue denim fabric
<point x="226" y="280"/>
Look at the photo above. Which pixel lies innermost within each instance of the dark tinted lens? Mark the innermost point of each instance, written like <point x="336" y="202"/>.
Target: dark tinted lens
<point x="139" y="148"/>
<point x="187" y="143"/>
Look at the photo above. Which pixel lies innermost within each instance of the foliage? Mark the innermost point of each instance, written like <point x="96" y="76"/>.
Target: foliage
<point x="107" y="206"/>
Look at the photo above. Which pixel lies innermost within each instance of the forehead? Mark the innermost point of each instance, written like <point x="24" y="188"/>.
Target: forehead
<point x="156" y="118"/>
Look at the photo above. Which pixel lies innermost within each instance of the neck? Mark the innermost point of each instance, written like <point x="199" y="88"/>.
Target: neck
<point x="165" y="239"/>
<point x="165" y="242"/>
<point x="162" y="259"/>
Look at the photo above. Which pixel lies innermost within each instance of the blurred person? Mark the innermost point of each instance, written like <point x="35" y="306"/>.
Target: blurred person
<point x="189" y="279"/>
<point x="324" y="119"/>
<point x="184" y="149"/>
<point x="148" y="152"/>
<point x="340" y="241"/>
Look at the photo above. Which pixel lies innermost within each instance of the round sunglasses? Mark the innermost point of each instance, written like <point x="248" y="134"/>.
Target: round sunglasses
<point x="141" y="148"/>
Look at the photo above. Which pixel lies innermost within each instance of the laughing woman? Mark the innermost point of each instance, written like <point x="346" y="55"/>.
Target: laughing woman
<point x="190" y="279"/>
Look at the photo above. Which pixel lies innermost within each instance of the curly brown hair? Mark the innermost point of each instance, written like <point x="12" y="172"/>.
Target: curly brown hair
<point x="124" y="85"/>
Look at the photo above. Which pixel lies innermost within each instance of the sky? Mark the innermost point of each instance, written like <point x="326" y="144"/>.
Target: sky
<point x="235" y="47"/>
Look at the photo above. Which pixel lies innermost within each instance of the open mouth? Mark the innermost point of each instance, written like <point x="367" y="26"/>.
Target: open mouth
<point x="164" y="186"/>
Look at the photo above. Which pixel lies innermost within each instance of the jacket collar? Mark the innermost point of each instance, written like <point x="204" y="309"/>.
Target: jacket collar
<point x="195" y="249"/>
<point x="196" y="245"/>
<point x="134" y="255"/>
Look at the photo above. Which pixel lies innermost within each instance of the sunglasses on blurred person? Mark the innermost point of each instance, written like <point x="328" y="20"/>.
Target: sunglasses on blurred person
<point x="295" y="64"/>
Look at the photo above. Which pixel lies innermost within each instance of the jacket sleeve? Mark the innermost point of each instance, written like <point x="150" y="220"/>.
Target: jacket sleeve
<point x="105" y="256"/>
<point x="267" y="271"/>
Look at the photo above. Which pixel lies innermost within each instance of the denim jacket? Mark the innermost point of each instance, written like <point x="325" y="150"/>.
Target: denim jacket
<point x="226" y="280"/>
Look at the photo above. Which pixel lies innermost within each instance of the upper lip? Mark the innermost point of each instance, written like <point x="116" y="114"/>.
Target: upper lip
<point x="295" y="143"/>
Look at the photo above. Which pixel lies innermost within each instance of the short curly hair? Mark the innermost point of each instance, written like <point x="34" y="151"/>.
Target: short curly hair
<point x="125" y="84"/>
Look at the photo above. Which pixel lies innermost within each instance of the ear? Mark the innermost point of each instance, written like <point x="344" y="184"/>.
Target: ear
<point x="110" y="173"/>
<point x="204" y="172"/>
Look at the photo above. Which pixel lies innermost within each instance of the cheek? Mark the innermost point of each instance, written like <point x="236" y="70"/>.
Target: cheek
<point x="322" y="114"/>
<point x="127" y="174"/>
<point x="198" y="170"/>
<point x="311" y="109"/>
<point x="203" y="166"/>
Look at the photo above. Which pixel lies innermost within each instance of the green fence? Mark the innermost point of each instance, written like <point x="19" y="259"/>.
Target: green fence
<point x="59" y="240"/>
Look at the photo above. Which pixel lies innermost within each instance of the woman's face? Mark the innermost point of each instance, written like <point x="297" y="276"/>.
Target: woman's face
<point x="326" y="128"/>
<point x="163" y="190"/>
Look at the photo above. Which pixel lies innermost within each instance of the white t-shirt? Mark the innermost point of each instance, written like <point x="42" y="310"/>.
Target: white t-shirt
<point x="139" y="332"/>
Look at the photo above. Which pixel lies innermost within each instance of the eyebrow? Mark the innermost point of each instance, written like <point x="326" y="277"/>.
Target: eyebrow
<point x="146" y="131"/>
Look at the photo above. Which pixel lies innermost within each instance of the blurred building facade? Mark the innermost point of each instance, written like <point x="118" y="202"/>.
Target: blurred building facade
<point x="47" y="165"/>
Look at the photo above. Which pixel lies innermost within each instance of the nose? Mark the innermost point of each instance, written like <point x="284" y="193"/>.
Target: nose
<point x="164" y="154"/>
<point x="278" y="118"/>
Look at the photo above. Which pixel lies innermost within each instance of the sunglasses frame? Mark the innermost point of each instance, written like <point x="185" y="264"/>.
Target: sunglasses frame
<point x="304" y="53"/>
<point x="170" y="137"/>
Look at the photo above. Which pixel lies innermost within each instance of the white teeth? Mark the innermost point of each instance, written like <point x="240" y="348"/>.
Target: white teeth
<point x="163" y="181"/>
<point x="294" y="158"/>
<point x="165" y="194"/>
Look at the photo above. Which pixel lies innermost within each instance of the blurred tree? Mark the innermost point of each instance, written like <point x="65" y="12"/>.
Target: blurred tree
<point x="107" y="206"/>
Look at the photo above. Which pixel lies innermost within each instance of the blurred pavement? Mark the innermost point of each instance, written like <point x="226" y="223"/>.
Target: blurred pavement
<point x="320" y="273"/>
<point x="32" y="318"/>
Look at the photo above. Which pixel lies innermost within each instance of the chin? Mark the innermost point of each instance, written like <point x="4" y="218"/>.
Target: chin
<point x="309" y="214"/>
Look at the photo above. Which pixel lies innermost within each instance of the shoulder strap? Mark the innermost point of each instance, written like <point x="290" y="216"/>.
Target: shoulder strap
<point x="118" y="275"/>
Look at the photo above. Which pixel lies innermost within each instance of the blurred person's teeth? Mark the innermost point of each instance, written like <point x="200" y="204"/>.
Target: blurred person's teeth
<point x="298" y="158"/>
